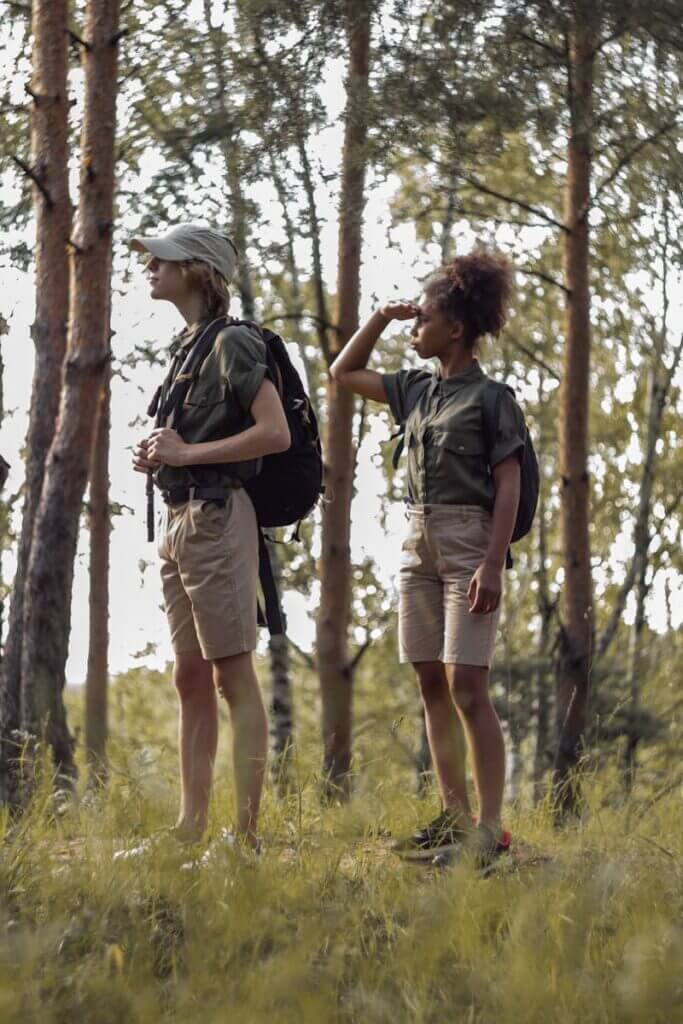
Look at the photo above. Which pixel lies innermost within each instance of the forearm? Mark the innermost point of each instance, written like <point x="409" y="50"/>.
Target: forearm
<point x="504" y="516"/>
<point x="252" y="443"/>
<point x="356" y="352"/>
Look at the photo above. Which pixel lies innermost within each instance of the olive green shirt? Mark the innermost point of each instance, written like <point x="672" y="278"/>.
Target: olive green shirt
<point x="218" y="403"/>
<point x="444" y="435"/>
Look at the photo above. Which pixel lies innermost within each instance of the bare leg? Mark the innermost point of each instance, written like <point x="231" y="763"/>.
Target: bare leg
<point x="197" y="740"/>
<point x="445" y="735"/>
<point x="469" y="687"/>
<point x="236" y="680"/>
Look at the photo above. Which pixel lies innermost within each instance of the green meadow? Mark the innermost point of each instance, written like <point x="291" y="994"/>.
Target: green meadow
<point x="582" y="923"/>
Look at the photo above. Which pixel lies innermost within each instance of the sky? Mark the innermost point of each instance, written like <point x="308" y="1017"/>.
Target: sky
<point x="137" y="621"/>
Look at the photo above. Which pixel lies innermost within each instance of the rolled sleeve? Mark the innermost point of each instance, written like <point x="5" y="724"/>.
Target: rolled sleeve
<point x="511" y="433"/>
<point x="403" y="390"/>
<point x="243" y="363"/>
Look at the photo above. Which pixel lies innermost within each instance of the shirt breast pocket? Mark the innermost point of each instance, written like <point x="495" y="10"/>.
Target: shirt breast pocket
<point x="462" y="445"/>
<point x="204" y="394"/>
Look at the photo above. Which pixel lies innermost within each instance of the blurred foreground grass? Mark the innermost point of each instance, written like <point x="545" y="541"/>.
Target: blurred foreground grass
<point x="587" y="924"/>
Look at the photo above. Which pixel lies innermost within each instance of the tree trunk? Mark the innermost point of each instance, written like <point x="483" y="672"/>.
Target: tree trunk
<point x="49" y="154"/>
<point x="47" y="597"/>
<point x="634" y="676"/>
<point x="98" y="661"/>
<point x="573" y="668"/>
<point x="545" y="611"/>
<point x="335" y="571"/>
<point x="281" y="728"/>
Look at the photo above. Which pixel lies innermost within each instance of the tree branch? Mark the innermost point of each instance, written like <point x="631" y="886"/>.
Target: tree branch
<point x="544" y="277"/>
<point x="355" y="661"/>
<point x="302" y="316"/>
<point x="75" y="38"/>
<point x="625" y="160"/>
<point x="536" y="359"/>
<point x="307" y="659"/>
<point x="29" y="172"/>
<point x="544" y="46"/>
<point x="516" y="202"/>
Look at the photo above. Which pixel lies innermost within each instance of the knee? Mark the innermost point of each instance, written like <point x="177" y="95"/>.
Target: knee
<point x="469" y="690"/>
<point x="235" y="679"/>
<point x="192" y="681"/>
<point x="433" y="683"/>
<point x="464" y="698"/>
<point x="189" y="687"/>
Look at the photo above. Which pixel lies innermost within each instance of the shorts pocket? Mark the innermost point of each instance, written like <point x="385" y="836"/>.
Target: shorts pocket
<point x="210" y="516"/>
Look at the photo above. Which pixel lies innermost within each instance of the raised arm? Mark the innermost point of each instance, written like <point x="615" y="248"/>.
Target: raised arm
<point x="350" y="367"/>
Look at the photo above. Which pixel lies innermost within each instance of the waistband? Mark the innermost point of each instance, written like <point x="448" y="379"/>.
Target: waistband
<point x="180" y="495"/>
<point x="448" y="511"/>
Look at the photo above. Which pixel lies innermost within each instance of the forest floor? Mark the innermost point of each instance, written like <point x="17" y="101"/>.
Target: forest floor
<point x="579" y="924"/>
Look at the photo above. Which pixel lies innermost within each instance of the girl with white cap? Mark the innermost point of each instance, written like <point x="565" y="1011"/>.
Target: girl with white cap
<point x="230" y="418"/>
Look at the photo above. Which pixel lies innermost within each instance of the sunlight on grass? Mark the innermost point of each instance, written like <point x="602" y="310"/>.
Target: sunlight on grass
<point x="329" y="925"/>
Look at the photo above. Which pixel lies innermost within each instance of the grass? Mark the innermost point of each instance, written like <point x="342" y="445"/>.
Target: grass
<point x="585" y="925"/>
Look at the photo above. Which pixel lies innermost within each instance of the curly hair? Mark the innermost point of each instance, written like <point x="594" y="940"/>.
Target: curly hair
<point x="214" y="287"/>
<point x="475" y="289"/>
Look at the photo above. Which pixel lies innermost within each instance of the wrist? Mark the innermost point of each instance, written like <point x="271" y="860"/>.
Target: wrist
<point x="185" y="455"/>
<point x="382" y="316"/>
<point x="494" y="563"/>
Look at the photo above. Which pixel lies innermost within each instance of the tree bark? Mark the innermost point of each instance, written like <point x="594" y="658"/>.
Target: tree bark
<point x="573" y="671"/>
<point x="96" y="683"/>
<point x="335" y="570"/>
<point x="634" y="675"/>
<point x="281" y="724"/>
<point x="47" y="598"/>
<point x="545" y="609"/>
<point x="49" y="158"/>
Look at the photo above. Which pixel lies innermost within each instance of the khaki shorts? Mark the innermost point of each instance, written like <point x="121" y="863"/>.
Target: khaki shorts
<point x="443" y="546"/>
<point x="209" y="573"/>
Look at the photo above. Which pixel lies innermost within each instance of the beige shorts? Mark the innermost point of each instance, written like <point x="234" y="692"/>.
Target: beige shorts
<point x="209" y="574"/>
<point x="442" y="548"/>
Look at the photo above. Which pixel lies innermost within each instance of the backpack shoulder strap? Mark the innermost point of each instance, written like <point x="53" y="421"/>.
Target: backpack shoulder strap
<point x="493" y="396"/>
<point x="189" y="370"/>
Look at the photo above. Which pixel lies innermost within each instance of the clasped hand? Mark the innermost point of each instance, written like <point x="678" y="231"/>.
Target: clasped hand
<point x="164" y="447"/>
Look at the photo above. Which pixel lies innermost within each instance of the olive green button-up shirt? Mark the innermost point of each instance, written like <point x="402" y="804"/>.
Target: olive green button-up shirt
<point x="444" y="435"/>
<point x="218" y="403"/>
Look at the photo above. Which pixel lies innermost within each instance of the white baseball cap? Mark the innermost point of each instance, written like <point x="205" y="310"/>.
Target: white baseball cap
<point x="192" y="242"/>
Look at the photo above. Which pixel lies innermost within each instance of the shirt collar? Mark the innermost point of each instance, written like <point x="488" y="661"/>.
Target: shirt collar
<point x="183" y="339"/>
<point x="472" y="373"/>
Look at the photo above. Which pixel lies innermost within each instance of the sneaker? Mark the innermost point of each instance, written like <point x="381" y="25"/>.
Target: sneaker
<point x="167" y="837"/>
<point x="484" y="847"/>
<point x="447" y="832"/>
<point x="226" y="841"/>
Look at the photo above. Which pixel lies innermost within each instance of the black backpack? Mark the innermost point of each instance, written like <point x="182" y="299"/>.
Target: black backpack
<point x="289" y="483"/>
<point x="529" y="475"/>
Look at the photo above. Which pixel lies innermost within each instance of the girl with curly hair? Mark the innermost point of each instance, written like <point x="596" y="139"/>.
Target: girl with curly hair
<point x="461" y="508"/>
